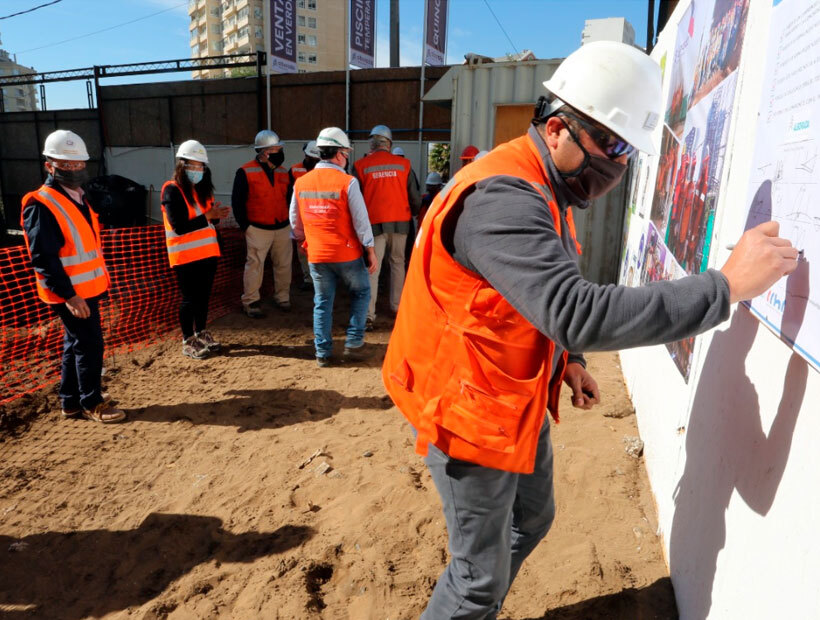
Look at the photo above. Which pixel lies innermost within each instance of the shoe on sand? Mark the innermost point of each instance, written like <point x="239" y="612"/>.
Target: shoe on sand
<point x="253" y="310"/>
<point x="105" y="413"/>
<point x="76" y="412"/>
<point x="194" y="348"/>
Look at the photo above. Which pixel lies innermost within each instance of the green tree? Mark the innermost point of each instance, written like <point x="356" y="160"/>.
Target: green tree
<point x="439" y="159"/>
<point x="243" y="72"/>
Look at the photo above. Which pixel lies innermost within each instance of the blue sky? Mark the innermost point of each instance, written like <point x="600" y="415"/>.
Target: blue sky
<point x="551" y="28"/>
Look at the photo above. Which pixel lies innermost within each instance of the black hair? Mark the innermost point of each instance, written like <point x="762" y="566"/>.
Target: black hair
<point x="204" y="189"/>
<point x="328" y="152"/>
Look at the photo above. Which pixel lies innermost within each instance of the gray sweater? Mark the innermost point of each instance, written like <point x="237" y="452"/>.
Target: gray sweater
<point x="506" y="234"/>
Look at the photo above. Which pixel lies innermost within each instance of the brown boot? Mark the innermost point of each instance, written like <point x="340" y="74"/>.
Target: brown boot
<point x="105" y="413"/>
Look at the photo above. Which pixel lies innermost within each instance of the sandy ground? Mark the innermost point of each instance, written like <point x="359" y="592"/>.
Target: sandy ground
<point x="256" y="485"/>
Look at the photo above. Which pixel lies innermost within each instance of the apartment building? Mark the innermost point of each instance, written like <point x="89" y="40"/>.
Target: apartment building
<point x="238" y="26"/>
<point x="16" y="98"/>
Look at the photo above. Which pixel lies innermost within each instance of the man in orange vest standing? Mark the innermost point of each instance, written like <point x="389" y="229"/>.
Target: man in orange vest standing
<point x="329" y="220"/>
<point x="297" y="170"/>
<point x="260" y="206"/>
<point x="507" y="314"/>
<point x="392" y="197"/>
<point x="62" y="235"/>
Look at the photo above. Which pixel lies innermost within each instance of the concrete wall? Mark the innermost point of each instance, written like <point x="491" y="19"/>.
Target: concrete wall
<point x="732" y="456"/>
<point x="152" y="166"/>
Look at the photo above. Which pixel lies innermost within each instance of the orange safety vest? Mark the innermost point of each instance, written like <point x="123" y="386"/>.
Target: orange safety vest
<point x="191" y="246"/>
<point x="267" y="204"/>
<point x="384" y="186"/>
<point x="298" y="170"/>
<point x="321" y="196"/>
<point x="476" y="381"/>
<point x="81" y="254"/>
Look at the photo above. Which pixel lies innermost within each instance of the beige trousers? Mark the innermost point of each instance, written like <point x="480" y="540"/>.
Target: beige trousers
<point x="395" y="242"/>
<point x="260" y="243"/>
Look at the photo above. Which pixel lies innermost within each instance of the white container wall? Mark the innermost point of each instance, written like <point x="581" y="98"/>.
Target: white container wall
<point x="732" y="455"/>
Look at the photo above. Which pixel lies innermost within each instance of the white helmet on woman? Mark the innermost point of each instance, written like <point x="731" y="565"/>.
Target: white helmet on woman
<point x="311" y="150"/>
<point x="616" y="85"/>
<point x="65" y="144"/>
<point x="333" y="136"/>
<point x="191" y="149"/>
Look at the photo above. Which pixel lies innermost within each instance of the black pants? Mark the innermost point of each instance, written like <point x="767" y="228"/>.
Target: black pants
<point x="195" y="282"/>
<point x="80" y="384"/>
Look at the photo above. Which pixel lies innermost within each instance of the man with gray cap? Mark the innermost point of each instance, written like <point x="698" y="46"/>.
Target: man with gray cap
<point x="260" y="206"/>
<point x="392" y="197"/>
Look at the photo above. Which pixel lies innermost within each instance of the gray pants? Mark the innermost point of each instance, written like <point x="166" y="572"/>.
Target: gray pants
<point x="494" y="520"/>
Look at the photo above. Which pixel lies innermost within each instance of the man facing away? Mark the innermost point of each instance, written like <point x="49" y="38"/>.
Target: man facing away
<point x="259" y="201"/>
<point x="392" y="196"/>
<point x="329" y="219"/>
<point x="62" y="235"/>
<point x="508" y="315"/>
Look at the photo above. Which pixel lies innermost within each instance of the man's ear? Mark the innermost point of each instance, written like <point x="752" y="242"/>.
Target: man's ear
<point x="552" y="131"/>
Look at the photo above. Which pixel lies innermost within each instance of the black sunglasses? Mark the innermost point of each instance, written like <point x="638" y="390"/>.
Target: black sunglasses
<point x="612" y="146"/>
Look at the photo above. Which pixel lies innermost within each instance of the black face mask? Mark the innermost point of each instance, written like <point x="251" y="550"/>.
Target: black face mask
<point x="310" y="163"/>
<point x="595" y="176"/>
<point x="277" y="158"/>
<point x="70" y="178"/>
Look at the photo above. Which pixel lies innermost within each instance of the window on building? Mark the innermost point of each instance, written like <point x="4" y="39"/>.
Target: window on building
<point x="311" y="40"/>
<point x="216" y="11"/>
<point x="218" y="46"/>
<point x="243" y="13"/>
<point x="300" y="39"/>
<point x="257" y="12"/>
<point x="311" y="22"/>
<point x="216" y="29"/>
<point x="300" y="20"/>
<point x="194" y="34"/>
<point x="194" y="50"/>
<point x="259" y="33"/>
<point x="300" y="4"/>
<point x="312" y="59"/>
<point x="301" y="57"/>
<point x="242" y="32"/>
<point x="311" y="4"/>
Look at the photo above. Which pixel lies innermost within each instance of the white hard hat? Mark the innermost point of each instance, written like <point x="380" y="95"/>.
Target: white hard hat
<point x="333" y="136"/>
<point x="311" y="150"/>
<point x="615" y="84"/>
<point x="434" y="178"/>
<point x="265" y="139"/>
<point x="480" y="154"/>
<point x="382" y="130"/>
<point x="191" y="149"/>
<point x="65" y="144"/>
<point x="398" y="151"/>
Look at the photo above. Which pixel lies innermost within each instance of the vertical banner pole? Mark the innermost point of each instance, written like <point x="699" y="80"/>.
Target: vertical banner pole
<point x="421" y="92"/>
<point x="268" y="41"/>
<point x="348" y="14"/>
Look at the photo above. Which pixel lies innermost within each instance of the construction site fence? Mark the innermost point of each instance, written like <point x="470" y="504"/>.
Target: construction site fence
<point x="141" y="307"/>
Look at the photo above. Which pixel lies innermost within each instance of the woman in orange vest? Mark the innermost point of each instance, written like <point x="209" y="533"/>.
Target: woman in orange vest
<point x="62" y="235"/>
<point x="188" y="213"/>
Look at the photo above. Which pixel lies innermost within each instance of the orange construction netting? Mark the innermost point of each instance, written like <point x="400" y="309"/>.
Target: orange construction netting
<point x="141" y="308"/>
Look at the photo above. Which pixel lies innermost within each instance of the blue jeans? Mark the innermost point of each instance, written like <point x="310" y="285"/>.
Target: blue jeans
<point x="494" y="520"/>
<point x="325" y="278"/>
<point x="80" y="383"/>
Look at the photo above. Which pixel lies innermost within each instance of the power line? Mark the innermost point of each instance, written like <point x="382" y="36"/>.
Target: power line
<point x="42" y="6"/>
<point x="500" y="26"/>
<point x="88" y="34"/>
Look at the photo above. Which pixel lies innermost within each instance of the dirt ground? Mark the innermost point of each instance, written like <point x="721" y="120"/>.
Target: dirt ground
<point x="256" y="485"/>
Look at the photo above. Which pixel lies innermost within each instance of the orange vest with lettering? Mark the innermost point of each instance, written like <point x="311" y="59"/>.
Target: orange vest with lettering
<point x="476" y="380"/>
<point x="194" y="245"/>
<point x="267" y="204"/>
<point x="81" y="254"/>
<point x="384" y="186"/>
<point x="330" y="236"/>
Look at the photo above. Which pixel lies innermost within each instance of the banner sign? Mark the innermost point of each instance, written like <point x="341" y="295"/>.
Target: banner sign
<point x="435" y="47"/>
<point x="362" y="33"/>
<point x="282" y="49"/>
